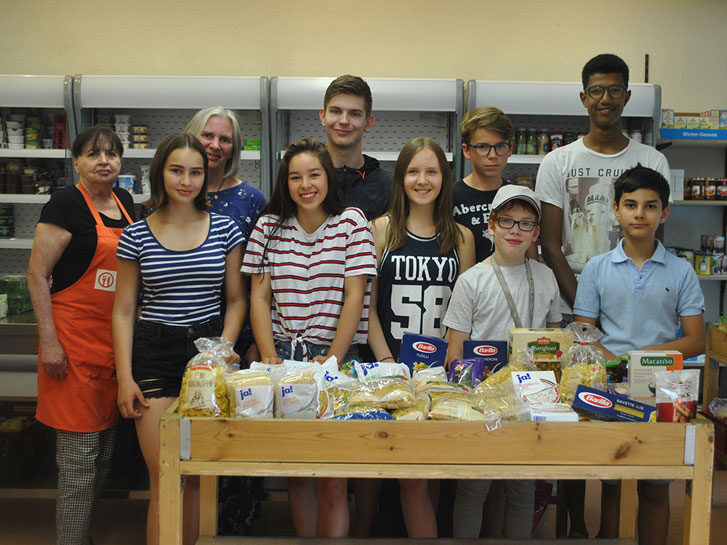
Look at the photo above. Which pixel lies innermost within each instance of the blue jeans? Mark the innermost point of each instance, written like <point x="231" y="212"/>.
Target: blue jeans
<point x="283" y="349"/>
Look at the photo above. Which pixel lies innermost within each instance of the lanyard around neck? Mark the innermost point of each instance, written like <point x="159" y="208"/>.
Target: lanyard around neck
<point x="508" y="296"/>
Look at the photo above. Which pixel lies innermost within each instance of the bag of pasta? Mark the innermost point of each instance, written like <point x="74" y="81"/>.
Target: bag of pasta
<point x="339" y="385"/>
<point x="583" y="363"/>
<point x="296" y="395"/>
<point x="522" y="360"/>
<point x="251" y="394"/>
<point x="449" y="408"/>
<point x="499" y="403"/>
<point x="384" y="393"/>
<point x="418" y="411"/>
<point x="203" y="391"/>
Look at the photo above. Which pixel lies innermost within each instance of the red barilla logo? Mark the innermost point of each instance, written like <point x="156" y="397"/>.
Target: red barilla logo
<point x="595" y="400"/>
<point x="486" y="350"/>
<point x="424" y="347"/>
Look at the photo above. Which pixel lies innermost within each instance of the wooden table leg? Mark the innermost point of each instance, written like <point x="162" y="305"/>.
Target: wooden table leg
<point x="711" y="377"/>
<point x="628" y="510"/>
<point x="698" y="504"/>
<point x="170" y="495"/>
<point x="208" y="505"/>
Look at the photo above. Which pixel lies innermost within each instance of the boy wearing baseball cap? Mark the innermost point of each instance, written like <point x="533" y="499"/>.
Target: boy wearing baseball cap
<point x="505" y="290"/>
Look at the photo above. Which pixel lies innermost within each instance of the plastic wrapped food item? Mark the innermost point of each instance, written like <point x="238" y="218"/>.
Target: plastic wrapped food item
<point x="468" y="372"/>
<point x="676" y="395"/>
<point x="251" y="394"/>
<point x="378" y="369"/>
<point x="523" y="360"/>
<point x="448" y="408"/>
<point x="418" y="411"/>
<point x="203" y="391"/>
<point x="385" y="393"/>
<point x="430" y="374"/>
<point x="718" y="407"/>
<point x="296" y="396"/>
<point x="588" y="374"/>
<point x="363" y="413"/>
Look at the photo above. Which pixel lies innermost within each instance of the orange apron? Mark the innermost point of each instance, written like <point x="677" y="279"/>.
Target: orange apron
<point x="85" y="400"/>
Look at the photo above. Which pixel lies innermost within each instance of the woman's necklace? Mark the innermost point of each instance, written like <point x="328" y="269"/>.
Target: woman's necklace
<point x="219" y="188"/>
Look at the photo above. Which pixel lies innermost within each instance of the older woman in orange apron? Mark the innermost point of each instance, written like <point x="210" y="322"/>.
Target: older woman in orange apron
<point x="72" y="277"/>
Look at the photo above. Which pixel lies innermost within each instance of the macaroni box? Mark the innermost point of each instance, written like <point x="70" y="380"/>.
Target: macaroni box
<point x="643" y="364"/>
<point x="494" y="353"/>
<point x="420" y="351"/>
<point x="604" y="406"/>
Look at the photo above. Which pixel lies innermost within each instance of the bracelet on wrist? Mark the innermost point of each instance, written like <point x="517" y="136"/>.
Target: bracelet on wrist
<point x="388" y="358"/>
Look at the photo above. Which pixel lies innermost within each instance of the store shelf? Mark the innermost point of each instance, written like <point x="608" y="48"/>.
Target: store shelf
<point x="712" y="277"/>
<point x="525" y="159"/>
<point x="382" y="156"/>
<point x="698" y="203"/>
<point x="33" y="153"/>
<point x="245" y="155"/>
<point x="23" y="199"/>
<point x="697" y="136"/>
<point x="16" y="243"/>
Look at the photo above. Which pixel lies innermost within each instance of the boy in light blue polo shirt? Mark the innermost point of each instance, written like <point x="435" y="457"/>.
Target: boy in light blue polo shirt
<point x="640" y="293"/>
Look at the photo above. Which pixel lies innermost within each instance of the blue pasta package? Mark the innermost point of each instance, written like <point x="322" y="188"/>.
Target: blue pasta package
<point x="421" y="351"/>
<point x="494" y="353"/>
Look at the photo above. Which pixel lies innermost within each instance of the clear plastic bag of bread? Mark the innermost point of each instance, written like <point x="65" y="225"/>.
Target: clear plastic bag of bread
<point x="584" y="363"/>
<point x="383" y="393"/>
<point x="203" y="391"/>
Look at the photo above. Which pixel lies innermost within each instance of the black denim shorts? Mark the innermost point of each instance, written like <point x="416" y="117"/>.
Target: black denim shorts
<point x="161" y="352"/>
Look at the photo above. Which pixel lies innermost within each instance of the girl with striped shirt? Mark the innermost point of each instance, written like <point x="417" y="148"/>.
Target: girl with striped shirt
<point x="311" y="261"/>
<point x="185" y="258"/>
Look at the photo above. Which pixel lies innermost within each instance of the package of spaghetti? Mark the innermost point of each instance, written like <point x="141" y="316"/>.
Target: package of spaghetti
<point x="203" y="391"/>
<point x="448" y="408"/>
<point x="384" y="393"/>
<point x="378" y="369"/>
<point x="251" y="394"/>
<point x="418" y="411"/>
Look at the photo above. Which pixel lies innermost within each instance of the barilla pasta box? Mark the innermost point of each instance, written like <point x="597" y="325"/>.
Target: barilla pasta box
<point x="494" y="353"/>
<point x="547" y="343"/>
<point x="643" y="365"/>
<point x="604" y="406"/>
<point x="420" y="351"/>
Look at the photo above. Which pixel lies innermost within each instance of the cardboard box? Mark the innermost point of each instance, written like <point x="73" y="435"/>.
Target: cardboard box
<point x="716" y="339"/>
<point x="548" y="344"/>
<point x="723" y="119"/>
<point x="680" y="120"/>
<point x="536" y="386"/>
<point x="493" y="352"/>
<point x="643" y="365"/>
<point x="714" y="119"/>
<point x="705" y="120"/>
<point x="604" y="406"/>
<point x="553" y="412"/>
<point x="421" y="351"/>
<point x="667" y="118"/>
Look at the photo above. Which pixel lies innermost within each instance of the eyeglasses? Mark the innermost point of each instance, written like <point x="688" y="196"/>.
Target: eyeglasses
<point x="509" y="223"/>
<point x="483" y="150"/>
<point x="614" y="91"/>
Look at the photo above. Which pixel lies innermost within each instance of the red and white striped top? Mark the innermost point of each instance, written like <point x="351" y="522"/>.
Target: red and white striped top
<point x="307" y="272"/>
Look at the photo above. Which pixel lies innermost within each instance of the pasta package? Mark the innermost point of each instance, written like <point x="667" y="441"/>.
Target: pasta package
<point x="548" y="345"/>
<point x="251" y="394"/>
<point x="418" y="411"/>
<point x="592" y="375"/>
<point x="378" y="369"/>
<point x="296" y="396"/>
<point x="448" y="408"/>
<point x="385" y="393"/>
<point x="203" y="391"/>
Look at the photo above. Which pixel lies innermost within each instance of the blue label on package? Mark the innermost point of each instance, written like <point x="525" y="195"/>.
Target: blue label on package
<point x="604" y="406"/>
<point x="419" y="351"/>
<point x="493" y="352"/>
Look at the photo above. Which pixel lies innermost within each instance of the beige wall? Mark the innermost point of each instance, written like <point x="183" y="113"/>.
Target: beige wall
<point x="468" y="39"/>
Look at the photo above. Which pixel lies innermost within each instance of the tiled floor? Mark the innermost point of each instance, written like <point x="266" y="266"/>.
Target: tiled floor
<point x="30" y="521"/>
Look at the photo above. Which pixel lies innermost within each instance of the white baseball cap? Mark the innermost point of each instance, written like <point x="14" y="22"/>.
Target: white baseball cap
<point x="512" y="192"/>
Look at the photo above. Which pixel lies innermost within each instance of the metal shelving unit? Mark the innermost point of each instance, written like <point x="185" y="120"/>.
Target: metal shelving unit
<point x="404" y="109"/>
<point x="555" y="106"/>
<point x="167" y="103"/>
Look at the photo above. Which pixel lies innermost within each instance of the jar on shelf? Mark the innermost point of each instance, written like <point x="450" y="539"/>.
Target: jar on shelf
<point x="569" y="137"/>
<point x="532" y="142"/>
<point x="556" y="140"/>
<point x="710" y="189"/>
<point x="722" y="189"/>
<point x="519" y="146"/>
<point x="543" y="142"/>
<point x="697" y="189"/>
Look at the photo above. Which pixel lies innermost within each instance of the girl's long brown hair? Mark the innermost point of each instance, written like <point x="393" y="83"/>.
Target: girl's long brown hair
<point x="448" y="232"/>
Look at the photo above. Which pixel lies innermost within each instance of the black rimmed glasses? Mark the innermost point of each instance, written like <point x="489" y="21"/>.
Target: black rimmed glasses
<point x="483" y="150"/>
<point x="614" y="91"/>
<point x="509" y="223"/>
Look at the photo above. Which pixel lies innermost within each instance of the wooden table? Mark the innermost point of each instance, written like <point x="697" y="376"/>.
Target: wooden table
<point x="435" y="449"/>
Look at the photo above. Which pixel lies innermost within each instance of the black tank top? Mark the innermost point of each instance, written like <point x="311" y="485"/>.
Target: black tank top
<point x="415" y="284"/>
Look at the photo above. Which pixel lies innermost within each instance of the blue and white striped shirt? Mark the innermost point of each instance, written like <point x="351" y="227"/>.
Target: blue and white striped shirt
<point x="180" y="287"/>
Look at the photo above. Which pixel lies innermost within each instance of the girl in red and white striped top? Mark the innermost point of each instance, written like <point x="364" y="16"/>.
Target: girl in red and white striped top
<point x="311" y="261"/>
